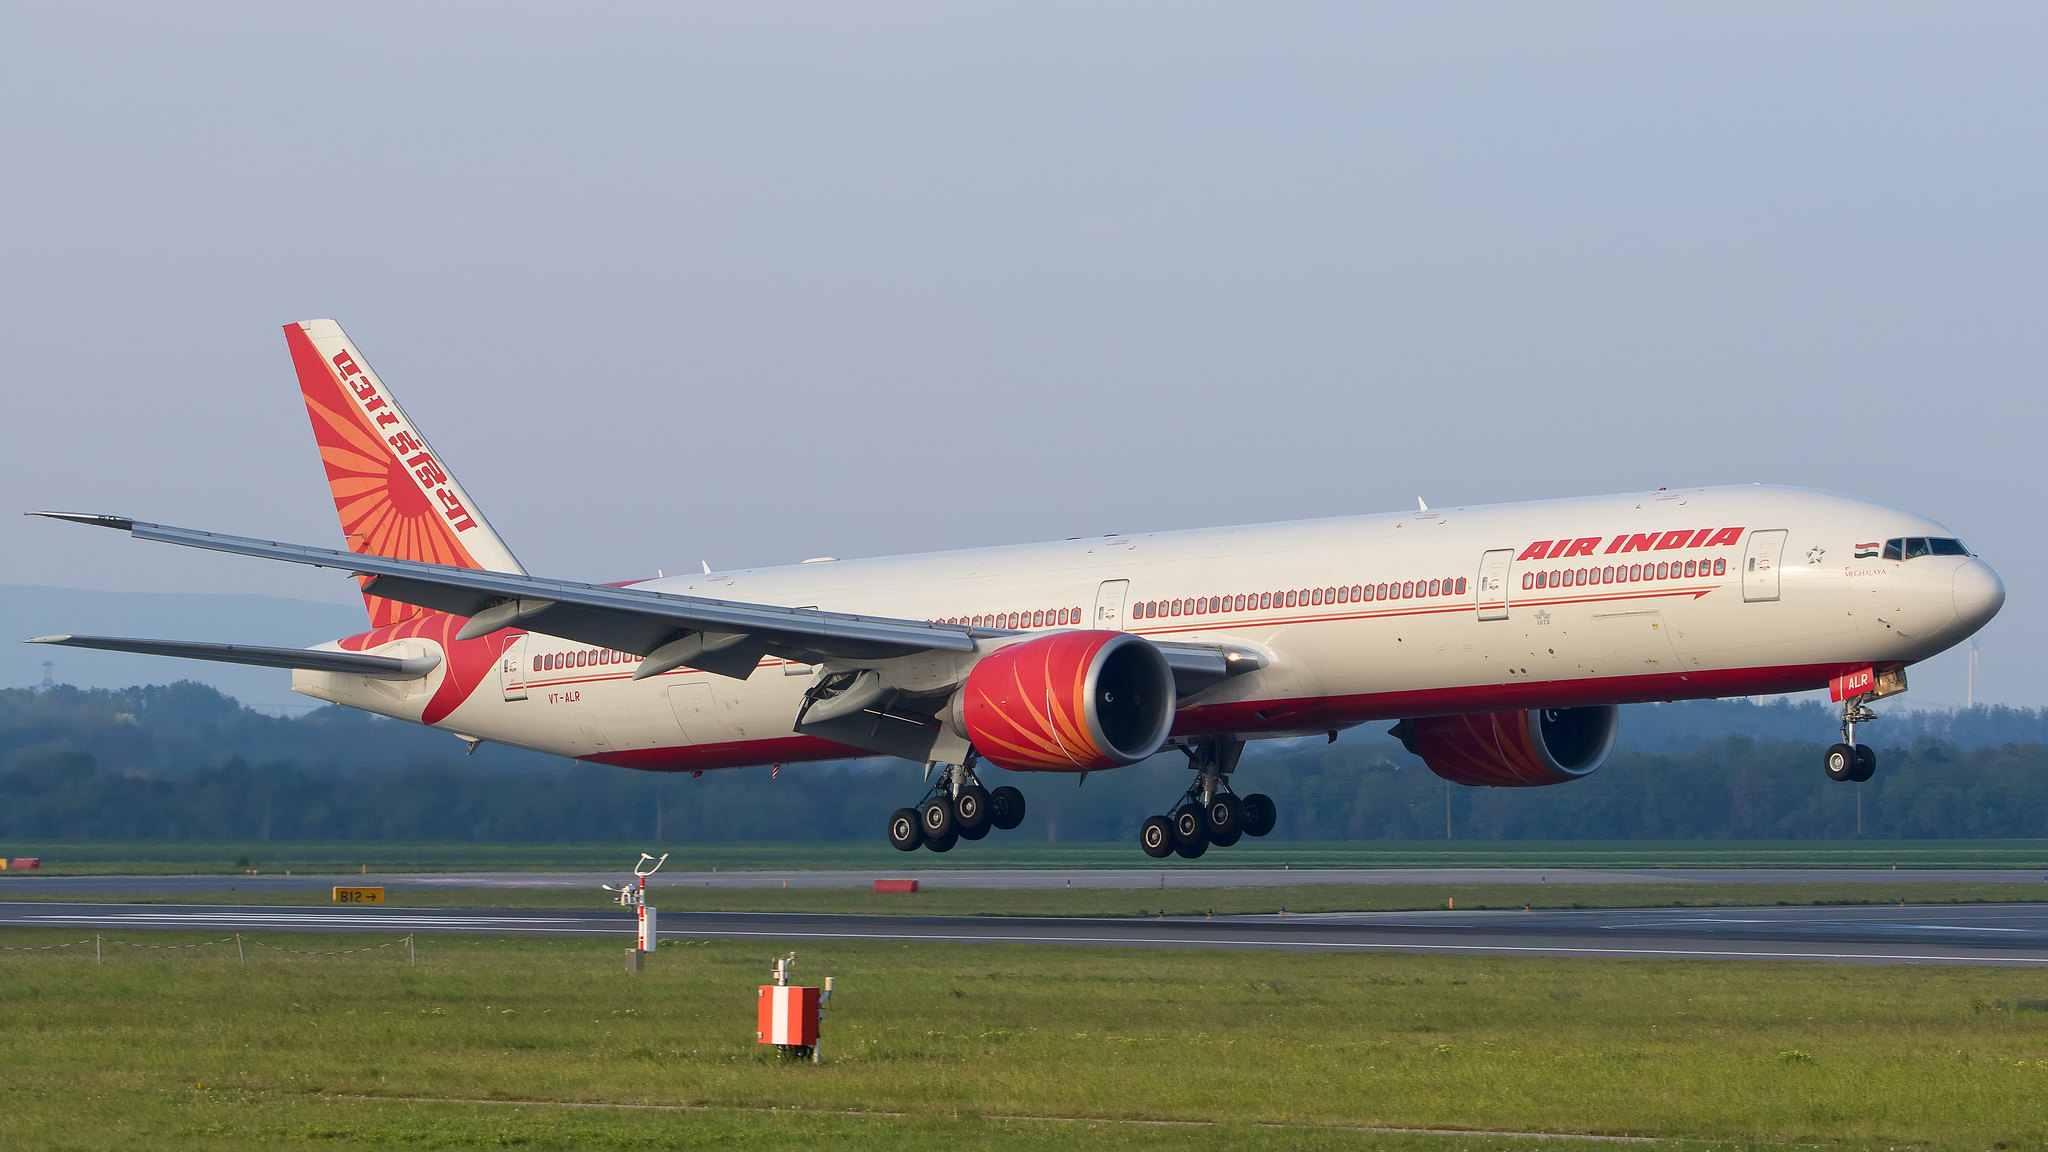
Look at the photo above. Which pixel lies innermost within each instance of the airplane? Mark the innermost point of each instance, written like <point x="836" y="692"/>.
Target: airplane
<point x="1500" y="639"/>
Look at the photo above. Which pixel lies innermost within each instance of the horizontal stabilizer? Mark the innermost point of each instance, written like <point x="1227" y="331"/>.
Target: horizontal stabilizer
<point x="312" y="660"/>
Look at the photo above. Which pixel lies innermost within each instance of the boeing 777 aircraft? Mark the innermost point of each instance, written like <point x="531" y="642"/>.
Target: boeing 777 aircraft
<point x="1500" y="639"/>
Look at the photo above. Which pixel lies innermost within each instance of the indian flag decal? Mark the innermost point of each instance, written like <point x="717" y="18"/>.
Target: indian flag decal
<point x="1867" y="551"/>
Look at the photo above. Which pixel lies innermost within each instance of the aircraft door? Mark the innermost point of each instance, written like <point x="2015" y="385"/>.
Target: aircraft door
<point x="1760" y="564"/>
<point x="1109" y="605"/>
<point x="696" y="712"/>
<point x="512" y="668"/>
<point x="1491" y="592"/>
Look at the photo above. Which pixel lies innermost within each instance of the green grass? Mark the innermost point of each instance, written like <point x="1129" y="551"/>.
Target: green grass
<point x="962" y="1045"/>
<point x="159" y="857"/>
<point x="1176" y="901"/>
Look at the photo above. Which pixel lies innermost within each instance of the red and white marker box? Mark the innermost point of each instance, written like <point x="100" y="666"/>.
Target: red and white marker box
<point x="789" y="1015"/>
<point x="895" y="885"/>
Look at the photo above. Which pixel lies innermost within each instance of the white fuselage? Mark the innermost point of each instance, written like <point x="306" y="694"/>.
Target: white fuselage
<point x="1540" y="620"/>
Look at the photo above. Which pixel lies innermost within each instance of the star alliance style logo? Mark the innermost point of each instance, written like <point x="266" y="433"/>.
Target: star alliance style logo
<point x="1815" y="554"/>
<point x="1543" y="617"/>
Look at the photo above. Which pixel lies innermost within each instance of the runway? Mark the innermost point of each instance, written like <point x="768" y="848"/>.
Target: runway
<point x="1995" y="934"/>
<point x="1173" y="876"/>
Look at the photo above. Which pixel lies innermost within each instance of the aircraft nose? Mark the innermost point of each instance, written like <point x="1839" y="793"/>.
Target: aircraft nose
<point x="1979" y="594"/>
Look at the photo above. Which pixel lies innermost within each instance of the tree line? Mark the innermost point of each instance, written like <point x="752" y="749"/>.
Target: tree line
<point x="183" y="762"/>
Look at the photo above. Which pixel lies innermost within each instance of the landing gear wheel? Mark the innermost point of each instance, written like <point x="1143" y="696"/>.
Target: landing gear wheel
<point x="1156" y="837"/>
<point x="1225" y="818"/>
<point x="1866" y="764"/>
<point x="1006" y="808"/>
<point x="1189" y="829"/>
<point x="935" y="817"/>
<point x="970" y="811"/>
<point x="904" y="833"/>
<point x="1190" y="851"/>
<point x="944" y="843"/>
<point x="1259" y="814"/>
<point x="1840" y="762"/>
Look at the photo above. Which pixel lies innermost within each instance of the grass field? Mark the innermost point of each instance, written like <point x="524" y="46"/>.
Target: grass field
<point x="1173" y="901"/>
<point x="161" y="857"/>
<point x="999" y="1047"/>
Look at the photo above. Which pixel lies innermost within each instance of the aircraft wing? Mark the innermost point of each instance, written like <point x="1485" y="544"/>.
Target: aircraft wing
<point x="693" y="630"/>
<point x="313" y="659"/>
<point x="667" y="630"/>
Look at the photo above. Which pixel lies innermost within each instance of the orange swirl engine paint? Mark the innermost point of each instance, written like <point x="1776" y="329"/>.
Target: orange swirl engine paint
<point x="1515" y="749"/>
<point x="1068" y="702"/>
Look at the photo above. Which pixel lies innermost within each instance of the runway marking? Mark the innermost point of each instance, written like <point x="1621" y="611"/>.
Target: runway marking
<point x="1007" y="1118"/>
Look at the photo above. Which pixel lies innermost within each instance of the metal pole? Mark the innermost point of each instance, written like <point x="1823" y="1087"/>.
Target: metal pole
<point x="95" y="948"/>
<point x="239" y="954"/>
<point x="412" y="956"/>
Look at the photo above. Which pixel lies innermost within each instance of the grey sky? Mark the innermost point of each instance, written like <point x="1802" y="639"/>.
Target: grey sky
<point x="760" y="282"/>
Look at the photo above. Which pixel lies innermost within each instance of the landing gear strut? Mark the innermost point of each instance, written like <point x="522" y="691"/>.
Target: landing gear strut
<point x="1850" y="762"/>
<point x="955" y="808"/>
<point x="1209" y="812"/>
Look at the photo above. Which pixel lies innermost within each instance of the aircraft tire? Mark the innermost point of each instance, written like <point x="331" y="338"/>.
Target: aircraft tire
<point x="1156" y="837"/>
<point x="1006" y="808"/>
<point x="973" y="833"/>
<point x="1840" y="762"/>
<point x="1866" y="764"/>
<point x="1260" y="814"/>
<point x="971" y="811"/>
<point x="944" y="843"/>
<point x="905" y="832"/>
<point x="935" y="818"/>
<point x="1191" y="851"/>
<point x="1224" y="816"/>
<point x="1189" y="828"/>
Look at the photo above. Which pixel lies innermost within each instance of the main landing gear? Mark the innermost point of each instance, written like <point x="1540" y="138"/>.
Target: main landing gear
<point x="1850" y="762"/>
<point x="1209" y="812"/>
<point x="956" y="808"/>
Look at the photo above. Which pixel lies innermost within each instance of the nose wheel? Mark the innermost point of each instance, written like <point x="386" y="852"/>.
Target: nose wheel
<point x="957" y="807"/>
<point x="1850" y="762"/>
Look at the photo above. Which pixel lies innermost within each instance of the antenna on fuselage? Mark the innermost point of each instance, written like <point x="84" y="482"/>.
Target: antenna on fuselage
<point x="1420" y="506"/>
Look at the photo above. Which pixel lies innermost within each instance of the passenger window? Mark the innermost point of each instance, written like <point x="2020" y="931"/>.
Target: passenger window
<point x="1690" y="570"/>
<point x="1407" y="590"/>
<point x="1721" y="566"/>
<point x="1635" y="571"/>
<point x="536" y="663"/>
<point x="1435" y="586"/>
<point x="1528" y="580"/>
<point x="1265" y="599"/>
<point x="1461" y="586"/>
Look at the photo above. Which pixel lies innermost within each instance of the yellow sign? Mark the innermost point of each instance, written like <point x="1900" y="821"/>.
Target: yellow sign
<point x="358" y="895"/>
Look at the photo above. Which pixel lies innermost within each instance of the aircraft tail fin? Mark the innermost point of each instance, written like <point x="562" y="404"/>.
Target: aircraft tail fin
<point x="394" y="494"/>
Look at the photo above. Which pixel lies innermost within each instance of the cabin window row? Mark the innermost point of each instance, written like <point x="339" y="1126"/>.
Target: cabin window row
<point x="1037" y="618"/>
<point x="1299" y="598"/>
<point x="582" y="658"/>
<point x="1672" y="570"/>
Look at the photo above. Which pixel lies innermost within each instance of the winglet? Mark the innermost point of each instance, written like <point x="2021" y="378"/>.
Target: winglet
<point x="119" y="523"/>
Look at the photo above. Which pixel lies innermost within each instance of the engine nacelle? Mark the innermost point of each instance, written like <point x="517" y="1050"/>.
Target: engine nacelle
<point x="1068" y="702"/>
<point x="1514" y="749"/>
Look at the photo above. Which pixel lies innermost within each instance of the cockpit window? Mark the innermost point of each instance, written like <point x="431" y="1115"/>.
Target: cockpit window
<point x="1913" y="547"/>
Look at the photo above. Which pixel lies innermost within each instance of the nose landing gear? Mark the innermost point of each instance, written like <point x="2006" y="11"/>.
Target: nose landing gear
<point x="1850" y="762"/>
<point x="1209" y="812"/>
<point x="956" y="808"/>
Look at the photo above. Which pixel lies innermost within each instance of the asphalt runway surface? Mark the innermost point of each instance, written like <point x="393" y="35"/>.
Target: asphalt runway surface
<point x="1995" y="934"/>
<point x="1136" y="877"/>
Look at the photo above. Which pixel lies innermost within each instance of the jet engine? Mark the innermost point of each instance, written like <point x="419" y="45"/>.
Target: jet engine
<point x="1513" y="749"/>
<point x="1068" y="702"/>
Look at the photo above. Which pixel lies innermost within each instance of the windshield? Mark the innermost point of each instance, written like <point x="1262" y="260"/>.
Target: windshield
<point x="1914" y="547"/>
